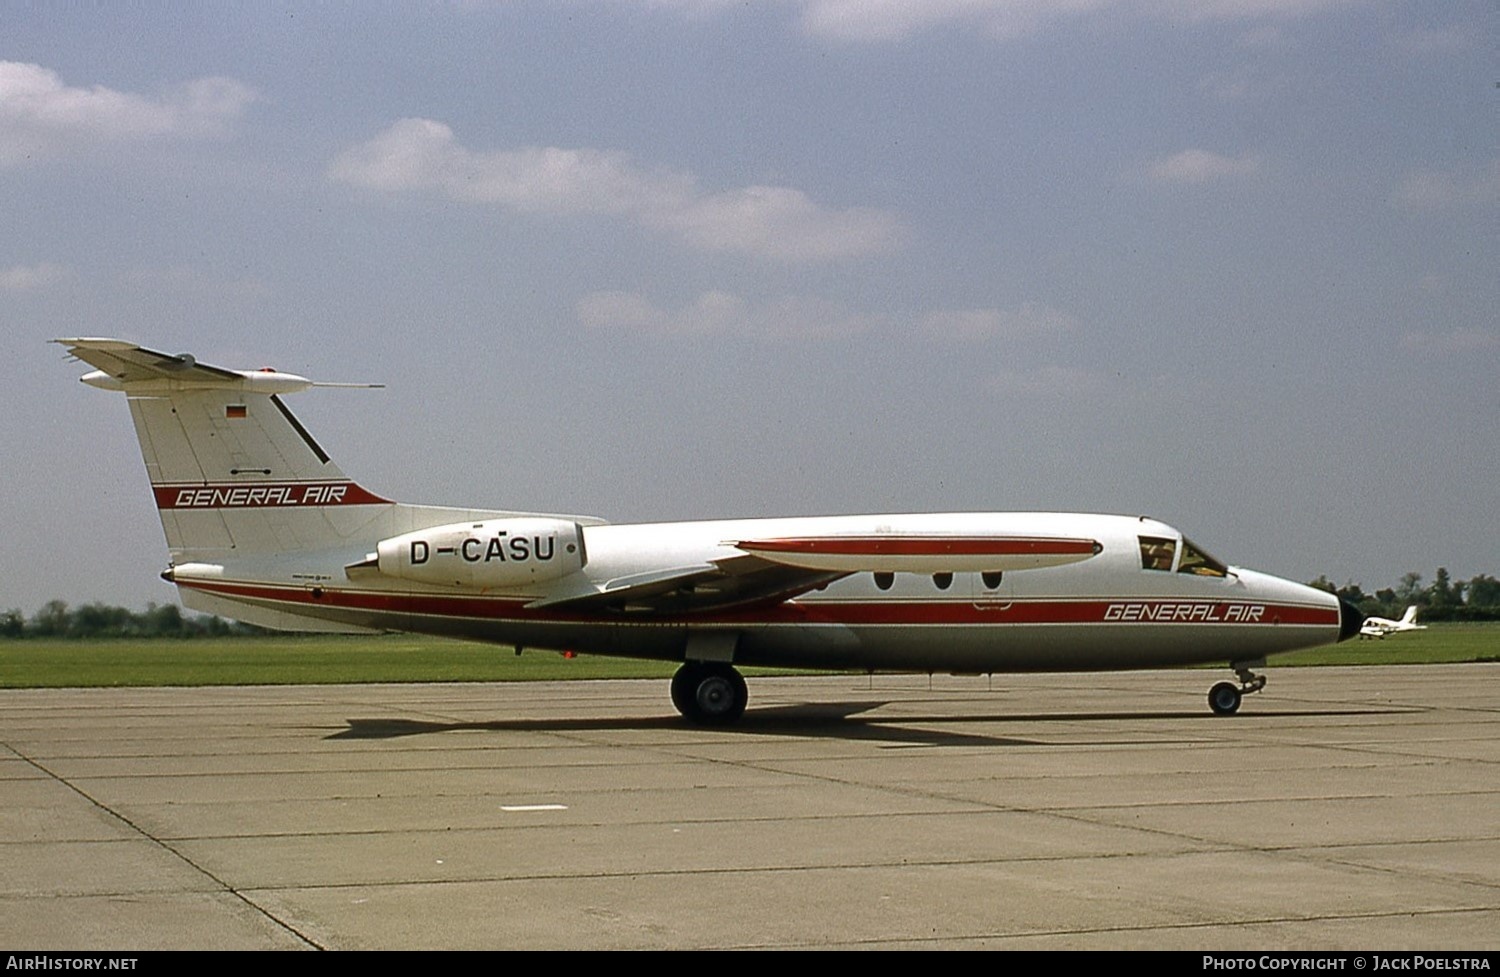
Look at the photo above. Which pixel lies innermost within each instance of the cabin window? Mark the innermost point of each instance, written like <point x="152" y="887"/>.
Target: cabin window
<point x="942" y="580"/>
<point x="991" y="579"/>
<point x="1199" y="563"/>
<point x="1157" y="553"/>
<point x="884" y="580"/>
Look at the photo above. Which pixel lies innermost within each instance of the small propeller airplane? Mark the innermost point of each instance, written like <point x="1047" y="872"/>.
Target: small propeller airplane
<point x="1379" y="627"/>
<point x="263" y="527"/>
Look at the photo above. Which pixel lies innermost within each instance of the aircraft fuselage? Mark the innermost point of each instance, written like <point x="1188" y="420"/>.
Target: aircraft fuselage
<point x="1104" y="612"/>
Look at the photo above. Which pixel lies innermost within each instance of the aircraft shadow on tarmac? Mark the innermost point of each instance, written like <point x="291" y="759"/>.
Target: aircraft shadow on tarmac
<point x="837" y="720"/>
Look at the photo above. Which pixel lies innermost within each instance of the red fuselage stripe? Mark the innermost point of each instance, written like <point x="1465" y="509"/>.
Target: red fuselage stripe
<point x="1094" y="610"/>
<point x="923" y="546"/>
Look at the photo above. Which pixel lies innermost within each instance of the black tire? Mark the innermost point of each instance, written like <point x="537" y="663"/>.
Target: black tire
<point x="1224" y="699"/>
<point x="684" y="681"/>
<point x="709" y="693"/>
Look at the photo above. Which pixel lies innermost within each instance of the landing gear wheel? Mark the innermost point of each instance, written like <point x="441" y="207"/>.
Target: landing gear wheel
<point x="1224" y="699"/>
<point x="709" y="693"/>
<point x="684" y="681"/>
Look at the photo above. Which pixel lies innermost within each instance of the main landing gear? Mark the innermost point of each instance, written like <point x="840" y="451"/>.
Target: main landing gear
<point x="1224" y="698"/>
<point x="709" y="693"/>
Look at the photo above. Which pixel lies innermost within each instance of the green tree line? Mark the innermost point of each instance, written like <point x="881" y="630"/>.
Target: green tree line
<point x="1445" y="599"/>
<point x="57" y="620"/>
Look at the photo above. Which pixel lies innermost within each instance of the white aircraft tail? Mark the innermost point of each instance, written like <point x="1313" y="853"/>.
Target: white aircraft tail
<point x="231" y="468"/>
<point x="1410" y="617"/>
<point x="233" y="471"/>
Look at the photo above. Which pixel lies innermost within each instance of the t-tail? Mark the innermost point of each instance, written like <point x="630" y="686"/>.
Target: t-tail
<point x="238" y="481"/>
<point x="231" y="468"/>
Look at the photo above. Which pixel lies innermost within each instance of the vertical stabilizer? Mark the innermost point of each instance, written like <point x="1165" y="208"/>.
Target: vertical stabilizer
<point x="231" y="468"/>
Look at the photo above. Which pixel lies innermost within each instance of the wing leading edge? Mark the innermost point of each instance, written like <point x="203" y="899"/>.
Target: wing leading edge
<point x="735" y="581"/>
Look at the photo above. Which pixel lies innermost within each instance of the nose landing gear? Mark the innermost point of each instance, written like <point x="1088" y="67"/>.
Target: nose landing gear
<point x="1224" y="698"/>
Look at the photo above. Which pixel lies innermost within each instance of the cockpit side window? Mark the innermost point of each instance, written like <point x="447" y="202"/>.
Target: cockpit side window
<point x="1197" y="562"/>
<point x="1157" y="553"/>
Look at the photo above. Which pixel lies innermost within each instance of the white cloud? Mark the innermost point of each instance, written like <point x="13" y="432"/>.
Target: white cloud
<point x="26" y="278"/>
<point x="695" y="8"/>
<point x="1236" y="9"/>
<point x="187" y="280"/>
<point x="777" y="222"/>
<point x="39" y="115"/>
<point x="1030" y="320"/>
<point x="1452" y="341"/>
<point x="1227" y="87"/>
<point x="772" y="222"/>
<point x="712" y="312"/>
<point x="1264" y="37"/>
<point x="1437" y="189"/>
<point x="1426" y="42"/>
<point x="1063" y="382"/>
<point x="888" y="20"/>
<point x="1201" y="166"/>
<point x="1247" y="82"/>
<point x="722" y="313"/>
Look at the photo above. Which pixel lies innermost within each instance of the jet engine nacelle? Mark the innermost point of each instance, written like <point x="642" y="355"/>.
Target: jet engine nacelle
<point x="493" y="553"/>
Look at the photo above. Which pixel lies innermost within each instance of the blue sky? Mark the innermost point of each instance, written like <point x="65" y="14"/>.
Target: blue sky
<point x="1229" y="263"/>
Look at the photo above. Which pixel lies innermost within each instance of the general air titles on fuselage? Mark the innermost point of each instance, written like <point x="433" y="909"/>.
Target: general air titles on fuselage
<point x="1212" y="612"/>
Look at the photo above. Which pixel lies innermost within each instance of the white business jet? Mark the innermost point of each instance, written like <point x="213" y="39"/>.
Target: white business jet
<point x="263" y="527"/>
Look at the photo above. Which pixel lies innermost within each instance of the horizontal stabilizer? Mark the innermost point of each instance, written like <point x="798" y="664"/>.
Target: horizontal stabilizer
<point x="125" y="366"/>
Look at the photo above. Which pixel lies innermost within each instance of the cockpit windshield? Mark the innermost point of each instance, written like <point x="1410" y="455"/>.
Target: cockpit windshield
<point x="1196" y="561"/>
<point x="1157" y="553"/>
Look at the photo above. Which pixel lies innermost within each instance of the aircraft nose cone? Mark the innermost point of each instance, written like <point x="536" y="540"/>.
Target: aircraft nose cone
<point x="1350" y="619"/>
